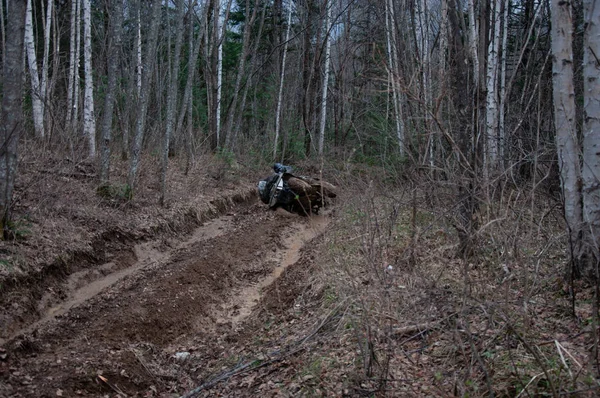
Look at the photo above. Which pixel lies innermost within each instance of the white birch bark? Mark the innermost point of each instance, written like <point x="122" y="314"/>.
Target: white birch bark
<point x="473" y="41"/>
<point x="329" y="5"/>
<point x="491" y="155"/>
<point x="37" y="97"/>
<point x="394" y="72"/>
<point x="220" y="39"/>
<point x="501" y="126"/>
<point x="564" y="116"/>
<point x="423" y="47"/>
<point x="76" y="89"/>
<point x="47" y="32"/>
<point x="72" y="61"/>
<point x="591" y="127"/>
<point x="281" y="79"/>
<point x="138" y="49"/>
<point x="89" y="121"/>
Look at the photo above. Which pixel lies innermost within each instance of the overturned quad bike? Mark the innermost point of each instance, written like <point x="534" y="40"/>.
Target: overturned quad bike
<point x="296" y="194"/>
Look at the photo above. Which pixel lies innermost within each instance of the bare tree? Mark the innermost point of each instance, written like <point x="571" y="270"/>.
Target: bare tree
<point x="89" y="118"/>
<point x="591" y="130"/>
<point x="281" y="78"/>
<point x="394" y="71"/>
<point x="2" y="31"/>
<point x="329" y="5"/>
<point x="37" y="97"/>
<point x="492" y="114"/>
<point x="564" y="119"/>
<point x="73" y="62"/>
<point x="12" y="111"/>
<point x="241" y="72"/>
<point x="147" y="70"/>
<point x="172" y="92"/>
<point x="114" y="48"/>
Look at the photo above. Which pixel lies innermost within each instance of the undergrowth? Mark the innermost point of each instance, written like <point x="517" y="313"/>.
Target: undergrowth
<point x="427" y="322"/>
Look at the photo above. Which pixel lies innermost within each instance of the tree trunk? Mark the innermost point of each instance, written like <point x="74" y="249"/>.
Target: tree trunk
<point x="220" y="22"/>
<point x="281" y="78"/>
<point x="501" y="124"/>
<point x="172" y="93"/>
<point x="45" y="61"/>
<point x="491" y="117"/>
<point x="192" y="62"/>
<point x="114" y="51"/>
<point x="329" y="5"/>
<point x="591" y="134"/>
<point x="564" y="119"/>
<point x="2" y="33"/>
<point x="12" y="110"/>
<point x="37" y="97"/>
<point x="147" y="70"/>
<point x="73" y="61"/>
<point x="394" y="72"/>
<point x="473" y="35"/>
<point x="89" y="119"/>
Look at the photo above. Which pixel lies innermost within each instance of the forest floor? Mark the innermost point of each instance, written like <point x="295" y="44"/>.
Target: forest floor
<point x="214" y="295"/>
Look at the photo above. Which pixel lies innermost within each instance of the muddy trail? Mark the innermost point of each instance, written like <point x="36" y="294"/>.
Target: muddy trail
<point x="128" y="327"/>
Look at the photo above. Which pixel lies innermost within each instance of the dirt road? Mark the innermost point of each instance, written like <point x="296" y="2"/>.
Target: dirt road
<point x="129" y="327"/>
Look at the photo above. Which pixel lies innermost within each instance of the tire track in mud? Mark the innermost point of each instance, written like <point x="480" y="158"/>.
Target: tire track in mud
<point x="147" y="254"/>
<point x="176" y="291"/>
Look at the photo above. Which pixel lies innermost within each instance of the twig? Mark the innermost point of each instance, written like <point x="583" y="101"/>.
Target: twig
<point x="421" y="328"/>
<point x="141" y="361"/>
<point x="112" y="386"/>
<point x="530" y="381"/>
<point x="568" y="353"/>
<point x="562" y="358"/>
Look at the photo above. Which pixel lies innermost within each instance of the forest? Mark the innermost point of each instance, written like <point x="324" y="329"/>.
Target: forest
<point x="461" y="256"/>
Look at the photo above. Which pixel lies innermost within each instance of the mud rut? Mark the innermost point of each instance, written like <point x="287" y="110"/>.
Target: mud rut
<point x="130" y="325"/>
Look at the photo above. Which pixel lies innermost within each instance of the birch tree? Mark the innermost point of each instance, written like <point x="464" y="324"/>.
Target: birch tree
<point x="329" y="5"/>
<point x="473" y="43"/>
<point x="114" y="49"/>
<point x="281" y="80"/>
<point x="591" y="132"/>
<point x="220" y="37"/>
<point x="491" y="156"/>
<point x="501" y="110"/>
<point x="89" y="120"/>
<point x="12" y="111"/>
<point x="45" y="60"/>
<point x="564" y="120"/>
<point x="394" y="71"/>
<point x="73" y="61"/>
<point x="37" y="98"/>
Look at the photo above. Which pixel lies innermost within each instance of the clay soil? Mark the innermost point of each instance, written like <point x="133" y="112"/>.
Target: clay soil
<point x="106" y="298"/>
